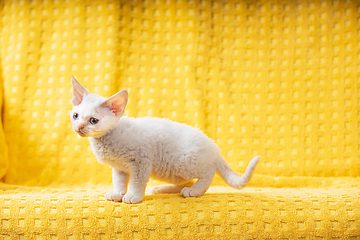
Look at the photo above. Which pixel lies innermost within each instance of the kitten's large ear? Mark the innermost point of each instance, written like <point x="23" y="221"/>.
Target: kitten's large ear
<point x="78" y="92"/>
<point x="117" y="102"/>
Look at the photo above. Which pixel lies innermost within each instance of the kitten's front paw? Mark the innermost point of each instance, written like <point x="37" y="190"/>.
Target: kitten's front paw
<point x="132" y="198"/>
<point x="116" y="197"/>
<point x="190" y="192"/>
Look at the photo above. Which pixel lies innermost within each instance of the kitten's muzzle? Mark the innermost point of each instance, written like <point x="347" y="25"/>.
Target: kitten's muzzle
<point x="80" y="131"/>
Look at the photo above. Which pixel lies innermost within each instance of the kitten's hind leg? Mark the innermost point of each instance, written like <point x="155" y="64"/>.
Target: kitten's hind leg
<point x="166" y="189"/>
<point x="170" y="188"/>
<point x="202" y="184"/>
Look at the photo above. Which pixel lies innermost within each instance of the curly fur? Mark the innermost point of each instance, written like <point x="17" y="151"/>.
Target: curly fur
<point x="140" y="148"/>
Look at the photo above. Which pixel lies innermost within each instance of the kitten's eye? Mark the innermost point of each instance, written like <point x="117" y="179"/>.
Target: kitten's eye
<point x="94" y="121"/>
<point x="76" y="116"/>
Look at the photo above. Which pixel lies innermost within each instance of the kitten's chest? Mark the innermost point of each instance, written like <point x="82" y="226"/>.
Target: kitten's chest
<point x="99" y="150"/>
<point x="107" y="154"/>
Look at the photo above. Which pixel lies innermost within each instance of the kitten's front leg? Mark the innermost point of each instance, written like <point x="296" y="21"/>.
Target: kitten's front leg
<point x="139" y="177"/>
<point x="120" y="181"/>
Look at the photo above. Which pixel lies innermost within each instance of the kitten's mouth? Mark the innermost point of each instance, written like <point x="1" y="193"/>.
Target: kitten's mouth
<point x="81" y="133"/>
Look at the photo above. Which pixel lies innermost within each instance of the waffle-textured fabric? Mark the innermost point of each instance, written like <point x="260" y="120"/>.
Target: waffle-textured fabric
<point x="280" y="79"/>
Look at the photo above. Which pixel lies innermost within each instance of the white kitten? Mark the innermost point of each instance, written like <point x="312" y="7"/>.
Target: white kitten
<point x="140" y="148"/>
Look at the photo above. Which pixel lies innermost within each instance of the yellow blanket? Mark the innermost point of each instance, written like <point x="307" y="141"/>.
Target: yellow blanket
<point x="273" y="78"/>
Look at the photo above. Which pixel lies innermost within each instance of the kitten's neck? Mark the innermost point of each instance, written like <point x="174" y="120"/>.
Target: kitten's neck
<point x="103" y="135"/>
<point x="108" y="133"/>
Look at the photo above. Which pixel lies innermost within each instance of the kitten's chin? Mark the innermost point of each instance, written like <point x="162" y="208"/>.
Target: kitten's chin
<point x="94" y="134"/>
<point x="81" y="134"/>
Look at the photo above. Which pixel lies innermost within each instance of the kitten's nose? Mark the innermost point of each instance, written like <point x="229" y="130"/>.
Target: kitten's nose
<point x="81" y="127"/>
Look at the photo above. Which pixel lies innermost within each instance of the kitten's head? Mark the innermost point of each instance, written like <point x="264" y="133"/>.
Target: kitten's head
<point x="93" y="115"/>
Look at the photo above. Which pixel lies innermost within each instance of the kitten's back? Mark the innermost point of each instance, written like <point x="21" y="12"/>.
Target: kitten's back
<point x="180" y="134"/>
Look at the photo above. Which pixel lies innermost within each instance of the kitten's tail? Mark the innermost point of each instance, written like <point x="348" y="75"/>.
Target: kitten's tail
<point x="232" y="178"/>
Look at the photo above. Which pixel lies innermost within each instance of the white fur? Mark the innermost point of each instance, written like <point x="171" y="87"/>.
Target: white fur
<point x="140" y="148"/>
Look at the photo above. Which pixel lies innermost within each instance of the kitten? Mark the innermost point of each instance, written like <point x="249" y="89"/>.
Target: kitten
<point x="140" y="148"/>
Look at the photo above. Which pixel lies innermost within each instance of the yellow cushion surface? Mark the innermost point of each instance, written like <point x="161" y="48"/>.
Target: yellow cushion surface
<point x="278" y="79"/>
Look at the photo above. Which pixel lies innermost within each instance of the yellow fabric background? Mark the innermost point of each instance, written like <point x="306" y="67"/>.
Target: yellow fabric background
<point x="4" y="163"/>
<point x="278" y="79"/>
<point x="274" y="79"/>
